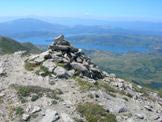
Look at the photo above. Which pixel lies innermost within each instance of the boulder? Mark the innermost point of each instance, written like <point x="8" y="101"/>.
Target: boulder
<point x="57" y="59"/>
<point x="79" y="67"/>
<point x="60" y="72"/>
<point x="71" y="72"/>
<point x="25" y="117"/>
<point x="148" y="107"/>
<point x="60" y="41"/>
<point x="140" y="116"/>
<point x="97" y="74"/>
<point x="50" y="65"/>
<point x="36" y="109"/>
<point x="50" y="116"/>
<point x="123" y="109"/>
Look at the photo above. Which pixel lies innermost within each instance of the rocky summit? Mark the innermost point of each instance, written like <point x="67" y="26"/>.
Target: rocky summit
<point x="64" y="85"/>
<point x="64" y="61"/>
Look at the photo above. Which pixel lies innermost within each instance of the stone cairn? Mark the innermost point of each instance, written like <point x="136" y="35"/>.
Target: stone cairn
<point x="64" y="60"/>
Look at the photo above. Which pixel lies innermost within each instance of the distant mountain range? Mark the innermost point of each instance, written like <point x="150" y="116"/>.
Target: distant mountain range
<point x="29" y="27"/>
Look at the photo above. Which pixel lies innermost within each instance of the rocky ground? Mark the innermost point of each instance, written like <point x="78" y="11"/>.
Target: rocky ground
<point x="63" y="85"/>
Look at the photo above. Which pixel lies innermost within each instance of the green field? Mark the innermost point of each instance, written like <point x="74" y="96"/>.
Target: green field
<point x="143" y="68"/>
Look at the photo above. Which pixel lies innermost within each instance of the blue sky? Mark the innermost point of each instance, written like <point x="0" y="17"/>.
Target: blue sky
<point x="98" y="9"/>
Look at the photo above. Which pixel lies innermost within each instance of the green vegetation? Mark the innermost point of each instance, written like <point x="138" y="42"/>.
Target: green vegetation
<point x="85" y="85"/>
<point x="8" y="46"/>
<point x="29" y="66"/>
<point x="44" y="71"/>
<point x="1" y="100"/>
<point x="145" y="69"/>
<point x="95" y="113"/>
<point x="160" y="93"/>
<point x="27" y="91"/>
<point x="19" y="111"/>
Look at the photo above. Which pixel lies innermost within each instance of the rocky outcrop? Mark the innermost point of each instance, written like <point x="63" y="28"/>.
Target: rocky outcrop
<point x="61" y="58"/>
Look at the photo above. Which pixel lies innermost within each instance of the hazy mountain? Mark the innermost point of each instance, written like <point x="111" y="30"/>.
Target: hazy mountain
<point x="29" y="27"/>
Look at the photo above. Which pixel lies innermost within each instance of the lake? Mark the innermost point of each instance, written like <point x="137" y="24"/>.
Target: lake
<point x="88" y="46"/>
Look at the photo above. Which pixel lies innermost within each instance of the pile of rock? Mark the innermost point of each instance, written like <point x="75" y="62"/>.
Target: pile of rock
<point x="64" y="60"/>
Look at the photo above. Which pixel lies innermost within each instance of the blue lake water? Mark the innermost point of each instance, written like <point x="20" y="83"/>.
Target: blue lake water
<point x="155" y="85"/>
<point x="88" y="46"/>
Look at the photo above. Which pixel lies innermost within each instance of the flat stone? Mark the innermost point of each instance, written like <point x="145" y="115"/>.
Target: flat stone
<point x="60" y="72"/>
<point x="36" y="109"/>
<point x="79" y="67"/>
<point x="66" y="118"/>
<point x="122" y="110"/>
<point x="147" y="107"/>
<point x="49" y="65"/>
<point x="50" y="116"/>
<point x="140" y="116"/>
<point x="25" y="117"/>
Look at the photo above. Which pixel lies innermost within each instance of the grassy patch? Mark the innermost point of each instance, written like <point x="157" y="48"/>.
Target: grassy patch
<point x="44" y="71"/>
<point x="19" y="111"/>
<point x="95" y="113"/>
<point x="85" y="85"/>
<point x="160" y="93"/>
<point x="60" y="64"/>
<point x="106" y="87"/>
<point x="1" y="100"/>
<point x="27" y="91"/>
<point x="29" y="66"/>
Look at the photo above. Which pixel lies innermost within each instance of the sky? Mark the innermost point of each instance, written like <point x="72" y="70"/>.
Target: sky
<point x="98" y="9"/>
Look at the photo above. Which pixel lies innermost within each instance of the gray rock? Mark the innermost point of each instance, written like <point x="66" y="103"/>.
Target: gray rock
<point x="140" y="116"/>
<point x="63" y="48"/>
<point x="156" y="117"/>
<point x="79" y="60"/>
<point x="65" y="117"/>
<point x="46" y="55"/>
<point x="60" y="41"/>
<point x="97" y="74"/>
<point x="57" y="59"/>
<point x="50" y="116"/>
<point x="52" y="80"/>
<point x="148" y="107"/>
<point x="25" y="117"/>
<point x="20" y="53"/>
<point x="35" y="60"/>
<point x="2" y="71"/>
<point x="79" y="67"/>
<point x="2" y="94"/>
<point x="60" y="72"/>
<point x="36" y="109"/>
<point x="123" y="109"/>
<point x="49" y="65"/>
<point x="59" y="38"/>
<point x="71" y="72"/>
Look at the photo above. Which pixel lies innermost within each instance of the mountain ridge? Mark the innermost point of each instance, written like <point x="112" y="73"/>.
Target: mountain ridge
<point x="8" y="45"/>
